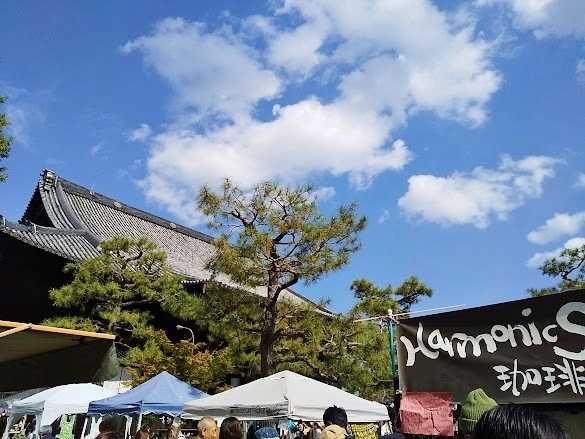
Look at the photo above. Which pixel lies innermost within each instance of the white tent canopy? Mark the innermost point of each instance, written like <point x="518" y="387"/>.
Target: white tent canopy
<point x="284" y="395"/>
<point x="49" y="404"/>
<point x="6" y="403"/>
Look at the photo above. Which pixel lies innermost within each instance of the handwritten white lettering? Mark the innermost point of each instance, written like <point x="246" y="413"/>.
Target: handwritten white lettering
<point x="573" y="328"/>
<point x="514" y="335"/>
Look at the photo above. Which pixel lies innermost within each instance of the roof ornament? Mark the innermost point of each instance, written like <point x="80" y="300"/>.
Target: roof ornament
<point x="49" y="179"/>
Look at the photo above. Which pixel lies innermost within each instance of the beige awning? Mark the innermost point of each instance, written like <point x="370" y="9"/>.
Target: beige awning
<point x="44" y="356"/>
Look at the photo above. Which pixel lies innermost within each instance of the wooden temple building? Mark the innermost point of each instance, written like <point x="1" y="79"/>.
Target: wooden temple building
<point x="65" y="222"/>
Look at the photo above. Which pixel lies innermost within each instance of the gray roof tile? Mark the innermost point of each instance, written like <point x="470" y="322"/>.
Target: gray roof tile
<point x="82" y="218"/>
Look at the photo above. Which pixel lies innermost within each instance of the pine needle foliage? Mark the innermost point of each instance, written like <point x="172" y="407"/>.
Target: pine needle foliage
<point x="114" y="290"/>
<point x="272" y="238"/>
<point x="5" y="141"/>
<point x="569" y="265"/>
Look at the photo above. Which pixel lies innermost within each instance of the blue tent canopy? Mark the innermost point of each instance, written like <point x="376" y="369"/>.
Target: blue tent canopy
<point x="162" y="394"/>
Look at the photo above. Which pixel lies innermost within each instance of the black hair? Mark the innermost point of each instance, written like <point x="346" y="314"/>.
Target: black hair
<point x="513" y="421"/>
<point x="335" y="415"/>
<point x="231" y="428"/>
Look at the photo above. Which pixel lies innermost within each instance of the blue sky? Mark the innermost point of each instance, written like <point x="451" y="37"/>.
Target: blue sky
<point x="458" y="127"/>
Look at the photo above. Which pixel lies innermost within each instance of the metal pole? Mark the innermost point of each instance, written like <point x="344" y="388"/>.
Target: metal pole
<point x="392" y="347"/>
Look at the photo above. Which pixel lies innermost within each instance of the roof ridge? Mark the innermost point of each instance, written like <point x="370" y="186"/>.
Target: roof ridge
<point x="70" y="214"/>
<point x="29" y="226"/>
<point x="90" y="194"/>
<point x="12" y="229"/>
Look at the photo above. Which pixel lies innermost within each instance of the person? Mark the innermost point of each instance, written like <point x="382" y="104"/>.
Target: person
<point x="29" y="426"/>
<point x="175" y="432"/>
<point x="335" y="420"/>
<point x="143" y="433"/>
<point x="316" y="430"/>
<point x="475" y="405"/>
<point x="513" y="421"/>
<point x="251" y="430"/>
<point x="394" y="435"/>
<point x="266" y="433"/>
<point x="206" y="428"/>
<point x="301" y="430"/>
<point x="107" y="435"/>
<point x="46" y="432"/>
<point x="363" y="431"/>
<point x="231" y="428"/>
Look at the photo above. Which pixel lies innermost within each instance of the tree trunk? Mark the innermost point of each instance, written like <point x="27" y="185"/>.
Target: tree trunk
<point x="267" y="338"/>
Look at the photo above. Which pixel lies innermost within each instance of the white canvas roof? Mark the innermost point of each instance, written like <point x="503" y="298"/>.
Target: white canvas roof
<point x="284" y="395"/>
<point x="6" y="403"/>
<point x="49" y="404"/>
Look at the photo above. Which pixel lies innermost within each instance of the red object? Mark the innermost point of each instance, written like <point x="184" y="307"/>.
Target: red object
<point x="429" y="413"/>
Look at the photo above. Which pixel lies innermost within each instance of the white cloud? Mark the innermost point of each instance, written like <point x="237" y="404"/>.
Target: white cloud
<point x="372" y="64"/>
<point x="580" y="71"/>
<point x="212" y="73"/>
<point x="140" y="134"/>
<point x="580" y="182"/>
<point x="333" y="137"/>
<point x="123" y="172"/>
<point x="538" y="259"/>
<point x="480" y="196"/>
<point x="558" y="18"/>
<point x="24" y="110"/>
<point x="385" y="216"/>
<point x="559" y="225"/>
<point x="324" y="193"/>
<point x="95" y="149"/>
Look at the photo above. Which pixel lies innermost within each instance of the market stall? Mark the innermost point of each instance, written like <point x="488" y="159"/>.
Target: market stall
<point x="162" y="394"/>
<point x="284" y="395"/>
<point x="52" y="403"/>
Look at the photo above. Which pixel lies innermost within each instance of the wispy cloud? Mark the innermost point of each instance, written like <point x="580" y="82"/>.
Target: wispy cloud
<point x="324" y="193"/>
<point x="95" y="149"/>
<point x="545" y="18"/>
<point x="385" y="216"/>
<point x="538" y="259"/>
<point x="580" y="182"/>
<point x="580" y="71"/>
<point x="123" y="172"/>
<point x="477" y="197"/>
<point x="24" y="110"/>
<point x="140" y="134"/>
<point x="561" y="224"/>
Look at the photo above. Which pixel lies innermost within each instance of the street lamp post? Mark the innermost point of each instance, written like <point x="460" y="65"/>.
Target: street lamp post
<point x="179" y="327"/>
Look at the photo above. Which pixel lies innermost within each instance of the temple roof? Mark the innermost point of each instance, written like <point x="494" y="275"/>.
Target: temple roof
<point x="69" y="220"/>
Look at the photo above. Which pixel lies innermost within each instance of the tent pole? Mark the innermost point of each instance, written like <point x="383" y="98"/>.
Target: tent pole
<point x="139" y="422"/>
<point x="392" y="348"/>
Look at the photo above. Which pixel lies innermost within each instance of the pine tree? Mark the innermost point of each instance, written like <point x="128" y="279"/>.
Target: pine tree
<point x="272" y="238"/>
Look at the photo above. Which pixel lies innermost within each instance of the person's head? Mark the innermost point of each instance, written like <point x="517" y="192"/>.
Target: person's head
<point x="143" y="433"/>
<point x="266" y="433"/>
<point x="513" y="421"/>
<point x="45" y="429"/>
<point x="207" y="428"/>
<point x="475" y="405"/>
<point x="335" y="416"/>
<point x="107" y="435"/>
<point x="231" y="428"/>
<point x="174" y="431"/>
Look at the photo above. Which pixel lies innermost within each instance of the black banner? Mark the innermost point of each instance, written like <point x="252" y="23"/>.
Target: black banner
<point x="525" y="351"/>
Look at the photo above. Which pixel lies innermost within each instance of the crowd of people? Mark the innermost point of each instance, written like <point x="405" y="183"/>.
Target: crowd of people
<point x="481" y="418"/>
